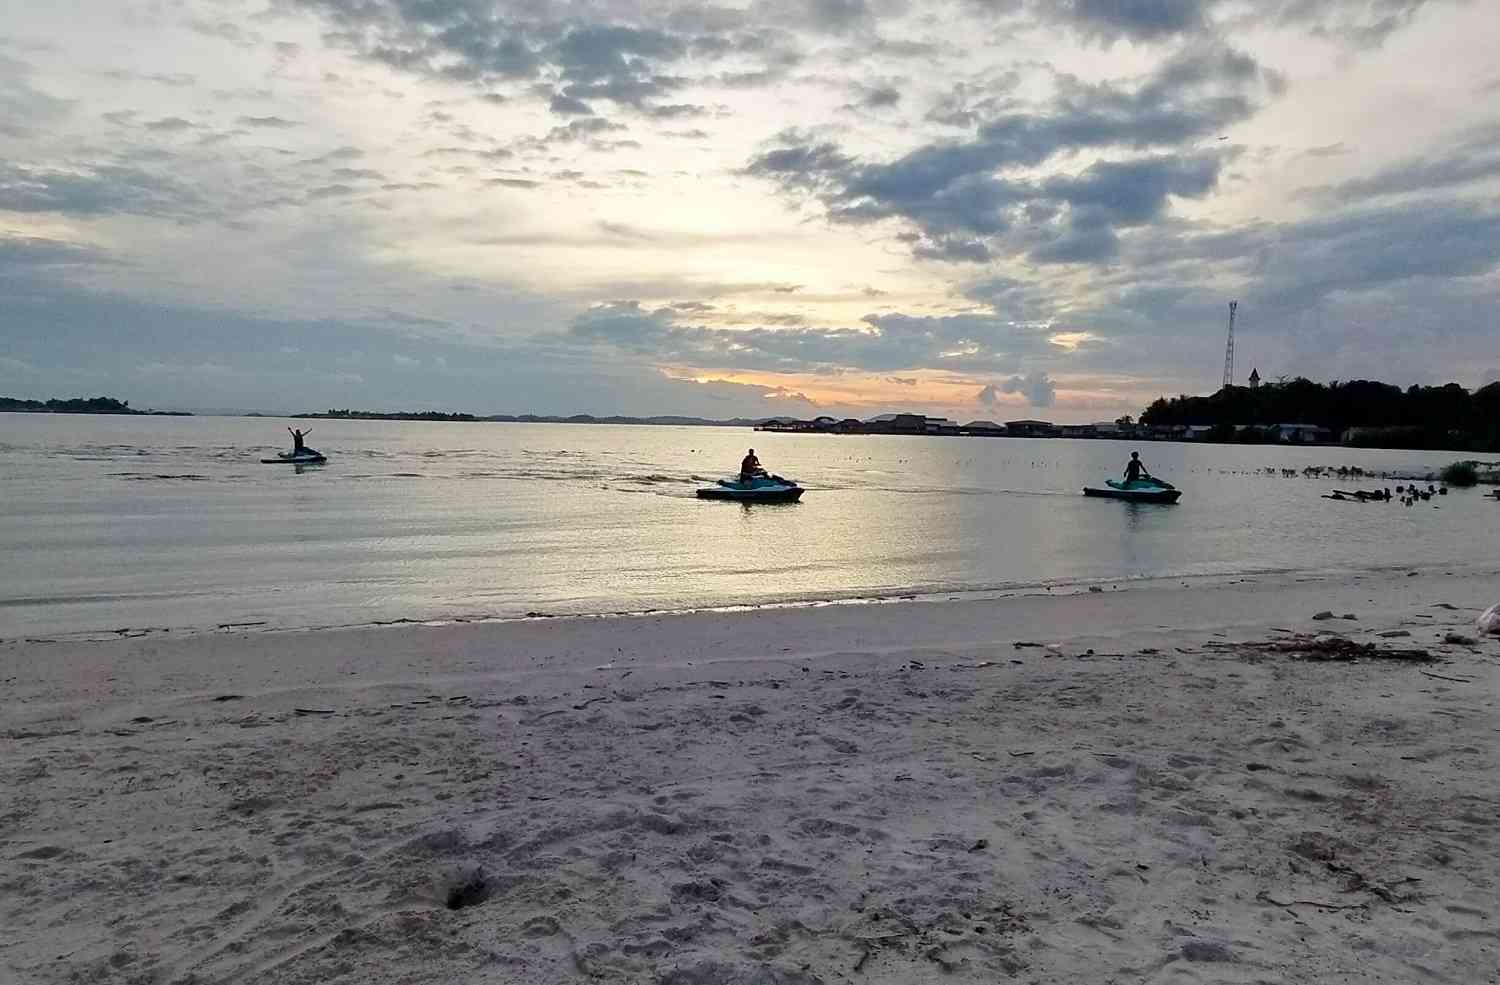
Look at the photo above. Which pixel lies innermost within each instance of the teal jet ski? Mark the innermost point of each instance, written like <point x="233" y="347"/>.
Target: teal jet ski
<point x="1144" y="490"/>
<point x="304" y="456"/>
<point x="759" y="489"/>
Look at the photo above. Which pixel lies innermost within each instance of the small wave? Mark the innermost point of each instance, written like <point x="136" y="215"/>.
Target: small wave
<point x="656" y="478"/>
<point x="140" y="477"/>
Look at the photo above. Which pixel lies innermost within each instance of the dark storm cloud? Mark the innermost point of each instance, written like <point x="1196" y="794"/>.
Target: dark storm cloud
<point x="955" y="193"/>
<point x="1359" y="23"/>
<point x="1356" y="292"/>
<point x="1137" y="20"/>
<point x="569" y="106"/>
<point x="583" y="55"/>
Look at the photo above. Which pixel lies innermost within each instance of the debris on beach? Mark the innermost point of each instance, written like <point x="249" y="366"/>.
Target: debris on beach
<point x="1328" y="648"/>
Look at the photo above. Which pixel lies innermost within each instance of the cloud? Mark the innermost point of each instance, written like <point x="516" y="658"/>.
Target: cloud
<point x="1357" y="23"/>
<point x="570" y="106"/>
<point x="22" y="105"/>
<point x="99" y="190"/>
<point x="872" y="97"/>
<point x="330" y="191"/>
<point x="268" y="122"/>
<point x="1360" y="23"/>
<point x="626" y="54"/>
<point x="1136" y="20"/>
<point x="174" y="80"/>
<point x="26" y="254"/>
<point x="1474" y="157"/>
<point x="881" y="343"/>
<point x="676" y="111"/>
<point x="170" y="124"/>
<point x="968" y="202"/>
<point x="1037" y="388"/>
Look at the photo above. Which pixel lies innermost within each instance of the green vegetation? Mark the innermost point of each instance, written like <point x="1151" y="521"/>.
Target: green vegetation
<point x="1460" y="474"/>
<point x="76" y="405"/>
<point x="377" y="415"/>
<point x="1358" y="412"/>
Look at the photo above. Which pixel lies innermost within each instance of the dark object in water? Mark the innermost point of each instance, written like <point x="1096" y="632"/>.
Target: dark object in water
<point x="760" y="489"/>
<point x="307" y="456"/>
<point x="1136" y="491"/>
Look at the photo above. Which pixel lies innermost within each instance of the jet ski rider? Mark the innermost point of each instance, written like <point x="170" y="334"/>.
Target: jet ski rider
<point x="750" y="467"/>
<point x="1135" y="468"/>
<point x="297" y="444"/>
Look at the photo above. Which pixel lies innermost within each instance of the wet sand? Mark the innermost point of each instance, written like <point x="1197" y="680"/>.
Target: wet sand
<point x="883" y="794"/>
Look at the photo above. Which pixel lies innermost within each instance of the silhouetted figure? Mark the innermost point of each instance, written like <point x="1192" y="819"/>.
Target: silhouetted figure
<point x="1135" y="468"/>
<point x="750" y="467"/>
<point x="297" y="444"/>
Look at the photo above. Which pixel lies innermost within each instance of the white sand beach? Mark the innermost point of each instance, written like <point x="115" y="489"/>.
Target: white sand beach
<point x="878" y="793"/>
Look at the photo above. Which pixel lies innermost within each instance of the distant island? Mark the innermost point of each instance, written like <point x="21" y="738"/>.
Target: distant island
<point x="81" y="405"/>
<point x="1357" y="413"/>
<point x="432" y="415"/>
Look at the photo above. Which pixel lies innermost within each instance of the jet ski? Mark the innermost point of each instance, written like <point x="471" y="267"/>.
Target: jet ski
<point x="760" y="489"/>
<point x="306" y="456"/>
<point x="1136" y="491"/>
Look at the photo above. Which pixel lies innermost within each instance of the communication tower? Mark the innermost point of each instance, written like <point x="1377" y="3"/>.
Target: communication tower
<point x="1229" y="347"/>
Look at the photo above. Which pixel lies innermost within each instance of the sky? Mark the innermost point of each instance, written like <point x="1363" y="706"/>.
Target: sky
<point x="979" y="209"/>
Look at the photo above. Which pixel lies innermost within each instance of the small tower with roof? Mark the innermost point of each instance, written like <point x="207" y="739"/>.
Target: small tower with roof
<point x="1254" y="378"/>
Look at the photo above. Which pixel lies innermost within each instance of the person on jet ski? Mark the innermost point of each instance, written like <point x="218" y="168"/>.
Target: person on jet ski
<point x="298" y="447"/>
<point x="750" y="467"/>
<point x="1135" y="468"/>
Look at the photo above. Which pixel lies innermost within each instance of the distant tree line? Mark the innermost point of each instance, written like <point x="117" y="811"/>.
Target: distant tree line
<point x="1363" y="412"/>
<point x="378" y="415"/>
<point x="75" y="405"/>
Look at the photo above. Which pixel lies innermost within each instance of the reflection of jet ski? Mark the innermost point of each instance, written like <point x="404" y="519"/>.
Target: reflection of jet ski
<point x="305" y="456"/>
<point x="1136" y="491"/>
<point x="760" y="489"/>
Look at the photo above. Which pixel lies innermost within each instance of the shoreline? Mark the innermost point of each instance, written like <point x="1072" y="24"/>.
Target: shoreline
<point x="1064" y="788"/>
<point x="1060" y="588"/>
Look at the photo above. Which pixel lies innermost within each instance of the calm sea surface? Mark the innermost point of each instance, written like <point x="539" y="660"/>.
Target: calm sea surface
<point x="113" y="523"/>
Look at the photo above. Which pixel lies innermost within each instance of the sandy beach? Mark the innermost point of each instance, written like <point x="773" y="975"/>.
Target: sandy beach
<point x="1099" y="787"/>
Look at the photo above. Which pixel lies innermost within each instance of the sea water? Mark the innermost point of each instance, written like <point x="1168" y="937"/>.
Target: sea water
<point x="111" y="524"/>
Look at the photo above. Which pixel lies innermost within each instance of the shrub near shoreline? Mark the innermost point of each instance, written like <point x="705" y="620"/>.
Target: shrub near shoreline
<point x="1460" y="474"/>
